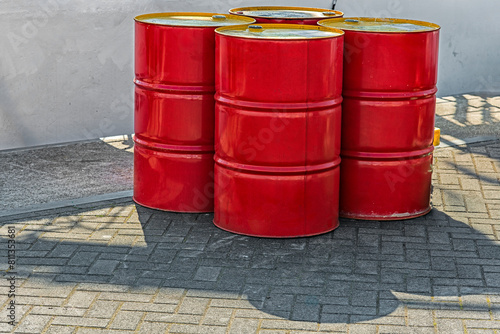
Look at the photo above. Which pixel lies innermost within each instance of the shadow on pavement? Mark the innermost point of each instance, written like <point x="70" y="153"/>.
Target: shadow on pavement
<point x="361" y="271"/>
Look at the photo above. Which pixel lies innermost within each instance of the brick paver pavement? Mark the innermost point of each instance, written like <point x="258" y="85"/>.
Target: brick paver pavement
<point x="120" y="268"/>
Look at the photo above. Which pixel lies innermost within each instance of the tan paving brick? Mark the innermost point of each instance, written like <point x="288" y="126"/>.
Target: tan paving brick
<point x="33" y="324"/>
<point x="102" y="309"/>
<point x="148" y="327"/>
<point x="81" y="299"/>
<point x="60" y="330"/>
<point x="193" y="305"/>
<point x="127" y="320"/>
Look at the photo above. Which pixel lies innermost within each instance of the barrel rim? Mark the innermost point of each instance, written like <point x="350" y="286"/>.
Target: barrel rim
<point x="339" y="33"/>
<point x="430" y="25"/>
<point x="301" y="169"/>
<point x="140" y="18"/>
<point x="289" y="8"/>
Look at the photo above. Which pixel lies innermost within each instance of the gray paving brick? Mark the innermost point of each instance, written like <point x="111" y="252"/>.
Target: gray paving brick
<point x="207" y="274"/>
<point x="306" y="312"/>
<point x="82" y="258"/>
<point x="63" y="250"/>
<point x="103" y="267"/>
<point x="420" y="284"/>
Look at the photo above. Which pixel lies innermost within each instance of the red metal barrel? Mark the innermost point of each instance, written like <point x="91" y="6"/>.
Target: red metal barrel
<point x="174" y="109"/>
<point x="277" y="137"/>
<point x="287" y="15"/>
<point x="389" y="86"/>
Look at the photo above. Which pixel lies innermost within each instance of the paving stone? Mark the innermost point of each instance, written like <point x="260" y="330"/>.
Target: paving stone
<point x="207" y="274"/>
<point x="480" y="331"/>
<point x="188" y="329"/>
<point x="82" y="258"/>
<point x="148" y="327"/>
<point x="148" y="307"/>
<point x="103" y="267"/>
<point x="288" y="325"/>
<point x="41" y="301"/>
<point x="193" y="305"/>
<point x="126" y="320"/>
<point x="33" y="324"/>
<point x="125" y="297"/>
<point x="78" y="321"/>
<point x="306" y="312"/>
<point x="216" y="316"/>
<point x="450" y="326"/>
<point x="61" y="330"/>
<point x="362" y="329"/>
<point x="102" y="309"/>
<point x="64" y="311"/>
<point x="81" y="299"/>
<point x="482" y="324"/>
<point x="418" y="318"/>
<point x="174" y="318"/>
<point x="244" y="326"/>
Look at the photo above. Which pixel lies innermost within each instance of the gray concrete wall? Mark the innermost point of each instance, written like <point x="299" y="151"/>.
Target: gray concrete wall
<point x="66" y="66"/>
<point x="469" y="51"/>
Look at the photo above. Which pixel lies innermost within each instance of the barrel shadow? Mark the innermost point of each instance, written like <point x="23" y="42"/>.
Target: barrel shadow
<point x="361" y="271"/>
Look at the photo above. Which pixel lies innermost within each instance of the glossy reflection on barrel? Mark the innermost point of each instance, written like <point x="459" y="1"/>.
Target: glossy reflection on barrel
<point x="277" y="137"/>
<point x="287" y="15"/>
<point x="174" y="109"/>
<point x="389" y="87"/>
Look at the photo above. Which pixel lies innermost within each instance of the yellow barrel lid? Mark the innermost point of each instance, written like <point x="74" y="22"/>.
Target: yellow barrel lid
<point x="282" y="12"/>
<point x="380" y="25"/>
<point x="186" y="19"/>
<point x="279" y="31"/>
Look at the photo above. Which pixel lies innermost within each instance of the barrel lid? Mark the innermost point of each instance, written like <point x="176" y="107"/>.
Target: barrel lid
<point x="290" y="13"/>
<point x="380" y="25"/>
<point x="280" y="31"/>
<point x="187" y="19"/>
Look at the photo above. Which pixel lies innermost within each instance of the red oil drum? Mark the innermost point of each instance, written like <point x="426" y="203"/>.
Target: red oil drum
<point x="277" y="137"/>
<point x="174" y="109"/>
<point x="389" y="87"/>
<point x="287" y="15"/>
